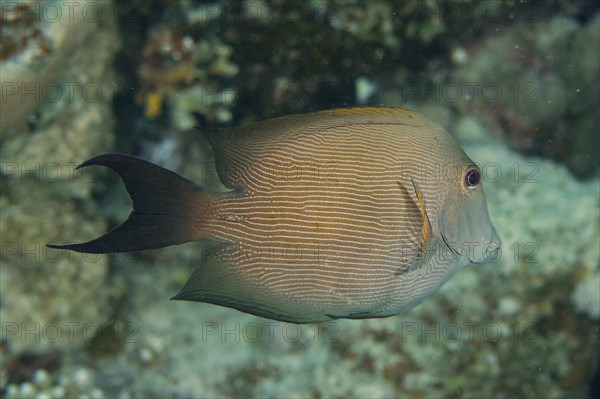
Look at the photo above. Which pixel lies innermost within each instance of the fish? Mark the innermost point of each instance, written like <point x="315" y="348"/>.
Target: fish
<point x="339" y="214"/>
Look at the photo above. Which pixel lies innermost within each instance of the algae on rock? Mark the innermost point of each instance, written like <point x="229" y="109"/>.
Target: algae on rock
<point x="540" y="80"/>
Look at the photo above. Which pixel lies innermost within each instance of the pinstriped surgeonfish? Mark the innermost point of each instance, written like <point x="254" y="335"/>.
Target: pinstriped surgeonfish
<point x="349" y="213"/>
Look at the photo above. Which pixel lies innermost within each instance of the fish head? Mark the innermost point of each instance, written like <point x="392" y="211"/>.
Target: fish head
<point x="464" y="223"/>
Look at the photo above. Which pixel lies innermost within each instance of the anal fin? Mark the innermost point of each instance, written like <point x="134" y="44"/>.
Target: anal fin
<point x="220" y="282"/>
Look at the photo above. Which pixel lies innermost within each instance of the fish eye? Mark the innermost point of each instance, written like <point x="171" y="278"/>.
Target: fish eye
<point x="472" y="178"/>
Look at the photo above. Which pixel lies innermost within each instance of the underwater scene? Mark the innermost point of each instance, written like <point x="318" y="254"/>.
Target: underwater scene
<point x="285" y="199"/>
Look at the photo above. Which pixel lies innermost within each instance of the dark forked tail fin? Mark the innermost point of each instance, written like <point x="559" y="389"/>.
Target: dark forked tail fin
<point x="167" y="208"/>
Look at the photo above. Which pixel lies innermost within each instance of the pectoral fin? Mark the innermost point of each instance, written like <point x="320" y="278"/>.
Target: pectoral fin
<point x="426" y="226"/>
<point x="419" y="235"/>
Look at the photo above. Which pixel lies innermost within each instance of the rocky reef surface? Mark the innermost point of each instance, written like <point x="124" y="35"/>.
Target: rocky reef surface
<point x="56" y="77"/>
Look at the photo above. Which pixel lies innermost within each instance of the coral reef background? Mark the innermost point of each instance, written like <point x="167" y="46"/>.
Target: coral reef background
<point x="516" y="82"/>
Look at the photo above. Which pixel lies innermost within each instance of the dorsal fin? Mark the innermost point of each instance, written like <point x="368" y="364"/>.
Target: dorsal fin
<point x="240" y="147"/>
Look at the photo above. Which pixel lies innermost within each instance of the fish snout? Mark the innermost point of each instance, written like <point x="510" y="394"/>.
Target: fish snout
<point x="490" y="251"/>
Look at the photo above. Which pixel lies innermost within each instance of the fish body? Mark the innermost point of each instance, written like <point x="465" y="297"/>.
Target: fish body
<point x="349" y="213"/>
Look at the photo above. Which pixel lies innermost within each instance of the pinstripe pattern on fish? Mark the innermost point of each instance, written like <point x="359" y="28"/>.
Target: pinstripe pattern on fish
<point x="349" y="213"/>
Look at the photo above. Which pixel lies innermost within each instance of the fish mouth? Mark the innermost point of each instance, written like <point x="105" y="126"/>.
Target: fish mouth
<point x="488" y="255"/>
<point x="492" y="248"/>
<point x="491" y="253"/>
